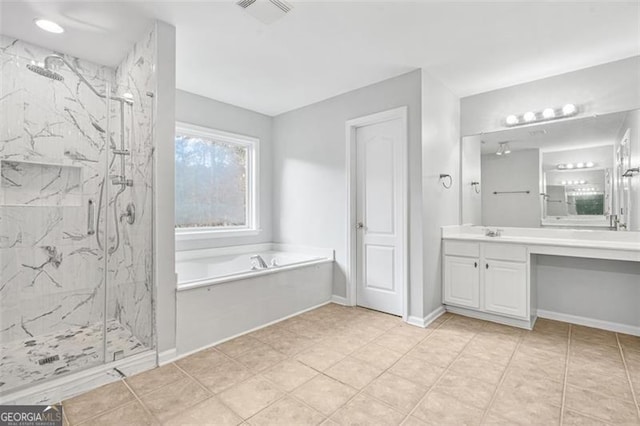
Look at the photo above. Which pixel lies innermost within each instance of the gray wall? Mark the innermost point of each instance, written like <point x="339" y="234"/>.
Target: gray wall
<point x="603" y="290"/>
<point x="309" y="172"/>
<point x="518" y="171"/>
<point x="201" y="111"/>
<point x="601" y="89"/>
<point x="440" y="206"/>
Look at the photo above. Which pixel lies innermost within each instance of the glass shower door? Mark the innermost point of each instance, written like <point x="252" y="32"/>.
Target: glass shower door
<point x="53" y="162"/>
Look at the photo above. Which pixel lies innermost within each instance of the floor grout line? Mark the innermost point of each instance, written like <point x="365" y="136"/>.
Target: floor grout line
<point x="413" y="410"/>
<point x="566" y="375"/>
<point x="502" y="379"/>
<point x="144" y="406"/>
<point x="361" y="391"/>
<point x="626" y="370"/>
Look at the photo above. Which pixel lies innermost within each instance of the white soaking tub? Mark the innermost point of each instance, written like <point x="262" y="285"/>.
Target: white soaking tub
<point x="198" y="268"/>
<point x="220" y="296"/>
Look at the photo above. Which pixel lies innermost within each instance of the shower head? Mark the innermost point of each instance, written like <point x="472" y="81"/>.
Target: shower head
<point x="45" y="72"/>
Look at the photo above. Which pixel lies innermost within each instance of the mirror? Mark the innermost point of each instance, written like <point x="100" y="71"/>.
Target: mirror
<point x="566" y="173"/>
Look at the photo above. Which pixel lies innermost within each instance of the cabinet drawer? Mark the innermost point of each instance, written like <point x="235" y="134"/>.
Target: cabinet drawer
<point x="512" y="252"/>
<point x="462" y="248"/>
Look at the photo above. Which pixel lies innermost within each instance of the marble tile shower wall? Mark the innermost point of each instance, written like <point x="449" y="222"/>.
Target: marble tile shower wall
<point x="131" y="267"/>
<point x="52" y="146"/>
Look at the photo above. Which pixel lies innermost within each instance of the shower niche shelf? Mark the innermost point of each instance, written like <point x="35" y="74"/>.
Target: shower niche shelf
<point x="31" y="183"/>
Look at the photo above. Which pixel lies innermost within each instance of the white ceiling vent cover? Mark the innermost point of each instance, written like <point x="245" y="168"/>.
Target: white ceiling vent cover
<point x="265" y="11"/>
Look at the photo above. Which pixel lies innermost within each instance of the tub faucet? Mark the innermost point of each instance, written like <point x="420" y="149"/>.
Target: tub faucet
<point x="260" y="260"/>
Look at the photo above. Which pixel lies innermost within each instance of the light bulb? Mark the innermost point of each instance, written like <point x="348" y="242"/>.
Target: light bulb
<point x="548" y="113"/>
<point x="506" y="149"/>
<point x="589" y="164"/>
<point x="529" y="116"/>
<point x="569" y="166"/>
<point x="580" y="165"/>
<point x="562" y="166"/>
<point x="49" y="26"/>
<point x="569" y="109"/>
<point x="512" y="120"/>
<point x="564" y="182"/>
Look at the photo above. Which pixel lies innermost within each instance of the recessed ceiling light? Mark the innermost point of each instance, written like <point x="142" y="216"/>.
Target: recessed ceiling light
<point x="49" y="26"/>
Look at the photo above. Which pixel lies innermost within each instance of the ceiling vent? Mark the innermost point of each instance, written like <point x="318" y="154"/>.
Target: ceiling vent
<point x="265" y="11"/>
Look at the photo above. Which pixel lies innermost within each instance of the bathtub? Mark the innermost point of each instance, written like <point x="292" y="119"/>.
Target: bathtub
<point x="198" y="268"/>
<point x="220" y="296"/>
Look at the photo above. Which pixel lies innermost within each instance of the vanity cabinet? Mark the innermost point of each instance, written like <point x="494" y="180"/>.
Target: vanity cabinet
<point x="462" y="281"/>
<point x="486" y="277"/>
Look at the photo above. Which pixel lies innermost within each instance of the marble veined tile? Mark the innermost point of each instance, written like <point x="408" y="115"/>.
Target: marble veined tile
<point x="76" y="347"/>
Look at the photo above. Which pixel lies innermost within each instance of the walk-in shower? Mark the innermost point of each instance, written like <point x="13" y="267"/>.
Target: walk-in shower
<point x="76" y="205"/>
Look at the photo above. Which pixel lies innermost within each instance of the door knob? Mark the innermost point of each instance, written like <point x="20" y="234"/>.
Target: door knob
<point x="359" y="225"/>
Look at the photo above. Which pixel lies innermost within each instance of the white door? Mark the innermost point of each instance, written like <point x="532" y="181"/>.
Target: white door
<point x="462" y="281"/>
<point x="380" y="245"/>
<point x="505" y="288"/>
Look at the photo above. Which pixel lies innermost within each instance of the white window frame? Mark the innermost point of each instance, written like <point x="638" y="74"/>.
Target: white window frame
<point x="253" y="203"/>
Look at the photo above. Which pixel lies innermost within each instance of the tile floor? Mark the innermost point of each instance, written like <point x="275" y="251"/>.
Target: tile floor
<point x="338" y="365"/>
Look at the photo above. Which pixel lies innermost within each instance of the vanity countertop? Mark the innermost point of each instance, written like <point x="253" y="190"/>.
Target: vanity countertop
<point x="604" y="240"/>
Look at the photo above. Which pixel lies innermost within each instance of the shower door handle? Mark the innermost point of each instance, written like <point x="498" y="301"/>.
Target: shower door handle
<point x="90" y="218"/>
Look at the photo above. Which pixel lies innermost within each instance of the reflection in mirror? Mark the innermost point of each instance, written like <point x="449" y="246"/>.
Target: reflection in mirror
<point x="557" y="174"/>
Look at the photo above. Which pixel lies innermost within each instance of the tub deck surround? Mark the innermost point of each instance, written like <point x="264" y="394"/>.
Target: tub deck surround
<point x="201" y="268"/>
<point x="494" y="278"/>
<point x="232" y="299"/>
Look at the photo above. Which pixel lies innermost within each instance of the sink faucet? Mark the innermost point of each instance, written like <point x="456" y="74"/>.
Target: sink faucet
<point x="260" y="261"/>
<point x="491" y="233"/>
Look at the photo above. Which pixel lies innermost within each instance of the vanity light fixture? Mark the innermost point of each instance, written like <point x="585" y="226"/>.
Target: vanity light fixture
<point x="569" y="110"/>
<point x="582" y="165"/>
<point x="49" y="26"/>
<point x="545" y="115"/>
<point x="512" y="120"/>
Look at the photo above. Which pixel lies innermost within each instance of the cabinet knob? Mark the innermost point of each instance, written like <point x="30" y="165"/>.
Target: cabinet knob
<point x="475" y="264"/>
<point x="486" y="266"/>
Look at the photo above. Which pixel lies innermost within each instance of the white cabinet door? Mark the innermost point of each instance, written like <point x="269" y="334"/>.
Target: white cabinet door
<point x="505" y="288"/>
<point x="462" y="281"/>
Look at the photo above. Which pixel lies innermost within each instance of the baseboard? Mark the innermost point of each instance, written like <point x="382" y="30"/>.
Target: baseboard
<point x="186" y="354"/>
<point x="590" y="322"/>
<point x="339" y="300"/>
<point x="424" y="322"/>
<point x="56" y="390"/>
<point x="165" y="357"/>
<point x="500" y="319"/>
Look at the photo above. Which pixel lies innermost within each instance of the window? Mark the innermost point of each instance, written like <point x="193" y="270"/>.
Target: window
<point x="216" y="175"/>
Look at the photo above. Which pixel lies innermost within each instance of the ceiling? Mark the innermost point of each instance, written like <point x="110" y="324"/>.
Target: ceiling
<point x="321" y="48"/>
<point x="554" y="136"/>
